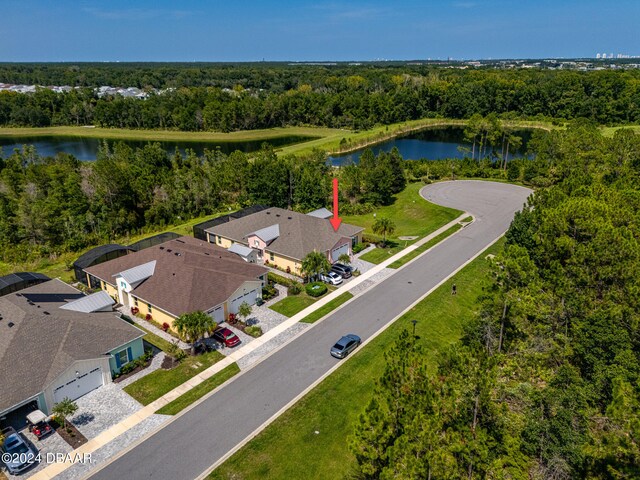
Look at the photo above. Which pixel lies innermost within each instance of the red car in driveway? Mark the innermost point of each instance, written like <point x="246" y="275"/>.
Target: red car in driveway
<point x="227" y="337"/>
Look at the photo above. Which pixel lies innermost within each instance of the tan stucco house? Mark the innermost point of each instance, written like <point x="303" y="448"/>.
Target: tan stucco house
<point x="180" y="276"/>
<point x="282" y="238"/>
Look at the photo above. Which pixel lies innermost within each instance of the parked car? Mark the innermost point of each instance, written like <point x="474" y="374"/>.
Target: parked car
<point x="17" y="453"/>
<point x="227" y="337"/>
<point x="38" y="424"/>
<point x="331" y="277"/>
<point x="345" y="345"/>
<point x="343" y="270"/>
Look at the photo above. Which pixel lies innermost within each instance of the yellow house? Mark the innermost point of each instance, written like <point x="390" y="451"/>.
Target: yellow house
<point x="180" y="276"/>
<point x="282" y="238"/>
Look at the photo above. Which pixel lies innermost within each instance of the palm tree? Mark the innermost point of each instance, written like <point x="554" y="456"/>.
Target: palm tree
<point x="344" y="258"/>
<point x="192" y="327"/>
<point x="315" y="263"/>
<point x="383" y="226"/>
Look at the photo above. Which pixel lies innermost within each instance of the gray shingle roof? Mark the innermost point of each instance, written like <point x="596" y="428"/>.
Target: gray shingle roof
<point x="45" y="339"/>
<point x="321" y="213"/>
<point x="299" y="233"/>
<point x="189" y="274"/>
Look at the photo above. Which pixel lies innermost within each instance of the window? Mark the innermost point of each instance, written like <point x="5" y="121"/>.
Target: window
<point x="354" y="241"/>
<point x="149" y="307"/>
<point x="219" y="239"/>
<point x="123" y="357"/>
<point x="271" y="257"/>
<point x="135" y="301"/>
<point x="103" y="286"/>
<point x="256" y="243"/>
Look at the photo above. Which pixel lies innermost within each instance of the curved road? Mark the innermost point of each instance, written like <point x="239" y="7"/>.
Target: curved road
<point x="188" y="446"/>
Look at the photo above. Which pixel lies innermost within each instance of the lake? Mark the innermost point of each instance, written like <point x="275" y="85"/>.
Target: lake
<point x="87" y="148"/>
<point x="432" y="143"/>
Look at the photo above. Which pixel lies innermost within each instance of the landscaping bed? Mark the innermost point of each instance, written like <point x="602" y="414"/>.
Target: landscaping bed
<point x="69" y="434"/>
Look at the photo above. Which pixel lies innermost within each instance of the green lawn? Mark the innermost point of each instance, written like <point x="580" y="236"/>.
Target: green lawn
<point x="325" y="309"/>
<point x="412" y="215"/>
<point x="289" y="448"/>
<point x="155" y="340"/>
<point x="293" y="304"/>
<point x="423" y="248"/>
<point x="183" y="401"/>
<point x="157" y="383"/>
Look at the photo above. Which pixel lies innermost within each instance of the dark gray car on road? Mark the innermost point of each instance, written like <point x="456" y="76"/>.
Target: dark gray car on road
<point x="345" y="345"/>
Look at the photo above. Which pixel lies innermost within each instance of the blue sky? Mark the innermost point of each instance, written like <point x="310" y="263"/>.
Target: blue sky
<point x="190" y="30"/>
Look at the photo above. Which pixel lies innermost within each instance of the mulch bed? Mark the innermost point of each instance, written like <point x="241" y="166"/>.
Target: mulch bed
<point x="168" y="363"/>
<point x="132" y="372"/>
<point x="74" y="438"/>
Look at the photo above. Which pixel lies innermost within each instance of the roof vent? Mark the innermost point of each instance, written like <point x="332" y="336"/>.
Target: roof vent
<point x="169" y="250"/>
<point x="46" y="313"/>
<point x="11" y="324"/>
<point x="18" y="294"/>
<point x="277" y="214"/>
<point x="206" y="253"/>
<point x="181" y="241"/>
<point x="177" y="254"/>
<point x="289" y="218"/>
<point x="268" y="213"/>
<point x="161" y="248"/>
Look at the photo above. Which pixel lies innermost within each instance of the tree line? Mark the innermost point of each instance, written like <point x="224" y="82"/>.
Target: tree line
<point x="238" y="98"/>
<point x="59" y="204"/>
<point x="545" y="382"/>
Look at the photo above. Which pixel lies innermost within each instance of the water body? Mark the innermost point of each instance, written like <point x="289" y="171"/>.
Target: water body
<point x="87" y="148"/>
<point x="432" y="144"/>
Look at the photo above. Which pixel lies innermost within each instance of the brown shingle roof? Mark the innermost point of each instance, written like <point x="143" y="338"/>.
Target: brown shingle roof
<point x="40" y="346"/>
<point x="201" y="277"/>
<point x="299" y="233"/>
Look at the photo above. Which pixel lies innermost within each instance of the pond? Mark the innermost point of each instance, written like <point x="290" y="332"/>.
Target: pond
<point x="432" y="144"/>
<point x="87" y="148"/>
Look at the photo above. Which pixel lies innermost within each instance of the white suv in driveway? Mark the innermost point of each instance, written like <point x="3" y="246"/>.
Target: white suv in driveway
<point x="331" y="277"/>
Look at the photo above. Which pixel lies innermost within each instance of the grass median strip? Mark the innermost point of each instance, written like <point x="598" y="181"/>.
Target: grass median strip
<point x="309" y="441"/>
<point x="196" y="393"/>
<point x="423" y="248"/>
<point x="325" y="309"/>
<point x="157" y="383"/>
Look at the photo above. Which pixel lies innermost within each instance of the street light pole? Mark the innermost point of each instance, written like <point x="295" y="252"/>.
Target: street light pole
<point x="414" y="326"/>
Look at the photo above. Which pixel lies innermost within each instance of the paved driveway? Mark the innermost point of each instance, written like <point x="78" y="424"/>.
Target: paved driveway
<point x="203" y="435"/>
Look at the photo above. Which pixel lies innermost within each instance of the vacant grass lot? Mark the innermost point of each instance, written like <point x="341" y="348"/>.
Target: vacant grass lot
<point x="183" y="401"/>
<point x="289" y="448"/>
<point x="157" y="383"/>
<point x="412" y="215"/>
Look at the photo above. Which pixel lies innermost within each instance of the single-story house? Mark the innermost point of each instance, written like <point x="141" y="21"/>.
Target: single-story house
<point x="282" y="238"/>
<point x="56" y="342"/>
<point x="180" y="276"/>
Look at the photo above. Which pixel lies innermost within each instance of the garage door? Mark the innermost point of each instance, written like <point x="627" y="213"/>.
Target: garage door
<point x="335" y="254"/>
<point x="249" y="297"/>
<point x="217" y="314"/>
<point x="79" y="386"/>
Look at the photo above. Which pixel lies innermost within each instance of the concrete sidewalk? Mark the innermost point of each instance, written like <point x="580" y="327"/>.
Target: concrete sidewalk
<point x="128" y="423"/>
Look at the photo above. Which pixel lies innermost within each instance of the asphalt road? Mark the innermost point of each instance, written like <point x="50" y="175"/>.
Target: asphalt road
<point x="190" y="445"/>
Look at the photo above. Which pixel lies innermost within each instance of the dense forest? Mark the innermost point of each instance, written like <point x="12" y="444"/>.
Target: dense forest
<point x="546" y="381"/>
<point x="240" y="97"/>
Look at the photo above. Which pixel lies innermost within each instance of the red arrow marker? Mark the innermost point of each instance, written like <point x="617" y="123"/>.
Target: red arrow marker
<point x="335" y="221"/>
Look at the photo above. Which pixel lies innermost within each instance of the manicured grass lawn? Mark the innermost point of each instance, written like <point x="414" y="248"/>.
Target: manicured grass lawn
<point x="155" y="340"/>
<point x="183" y="401"/>
<point x="332" y="305"/>
<point x="423" y="248"/>
<point x="412" y="216"/>
<point x="293" y="304"/>
<point x="157" y="383"/>
<point x="289" y="448"/>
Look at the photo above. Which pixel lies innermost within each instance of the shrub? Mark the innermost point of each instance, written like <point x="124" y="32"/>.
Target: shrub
<point x="148" y="317"/>
<point x="232" y="319"/>
<point x="275" y="278"/>
<point x="254" y="331"/>
<point x="288" y="269"/>
<point x="165" y="326"/>
<point x="316" y="289"/>
<point x="268" y="292"/>
<point x="129" y="367"/>
<point x="295" y="288"/>
<point x="359" y="247"/>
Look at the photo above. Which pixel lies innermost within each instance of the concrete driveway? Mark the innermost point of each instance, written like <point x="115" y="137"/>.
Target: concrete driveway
<point x="205" y="434"/>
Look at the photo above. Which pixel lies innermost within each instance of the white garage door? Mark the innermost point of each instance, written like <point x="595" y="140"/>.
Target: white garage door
<point x="249" y="297"/>
<point x="217" y="314"/>
<point x="335" y="254"/>
<point x="84" y="383"/>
